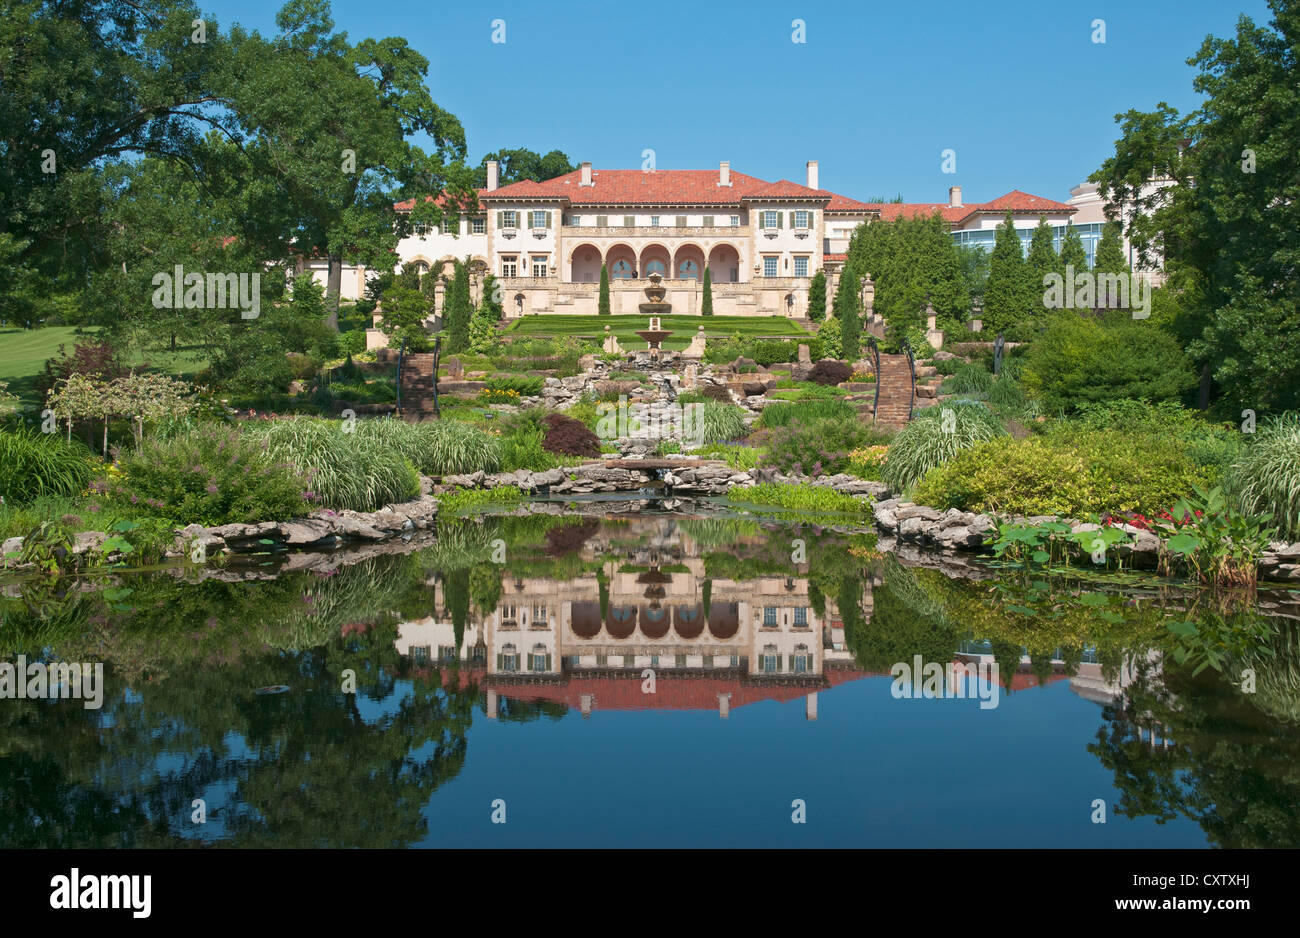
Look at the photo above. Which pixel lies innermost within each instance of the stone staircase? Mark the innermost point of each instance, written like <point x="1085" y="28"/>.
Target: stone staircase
<point x="895" y="387"/>
<point x="417" y="385"/>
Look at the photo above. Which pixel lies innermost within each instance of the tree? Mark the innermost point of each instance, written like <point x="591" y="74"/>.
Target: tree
<point x="1072" y="253"/>
<point x="910" y="259"/>
<point x="706" y="304"/>
<point x="1042" y="258"/>
<point x="520" y="164"/>
<point x="1213" y="192"/>
<point x="321" y="180"/>
<point x="846" y="311"/>
<point x="973" y="262"/>
<point x="458" y="309"/>
<point x="1110" y="251"/>
<point x="1006" y="298"/>
<point x="602" y="303"/>
<point x="816" y="296"/>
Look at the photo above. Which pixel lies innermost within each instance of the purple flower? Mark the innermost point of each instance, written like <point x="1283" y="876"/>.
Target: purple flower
<point x="211" y="489"/>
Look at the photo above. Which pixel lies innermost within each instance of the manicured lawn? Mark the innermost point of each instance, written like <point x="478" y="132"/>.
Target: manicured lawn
<point x="624" y="326"/>
<point x="23" y="353"/>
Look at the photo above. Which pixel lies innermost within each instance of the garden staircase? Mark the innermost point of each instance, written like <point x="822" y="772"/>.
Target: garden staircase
<point x="895" y="389"/>
<point x="417" y="385"/>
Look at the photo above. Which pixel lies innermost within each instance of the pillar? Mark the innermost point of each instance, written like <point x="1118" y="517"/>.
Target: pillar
<point x="810" y="706"/>
<point x="724" y="705"/>
<point x="492" y="705"/>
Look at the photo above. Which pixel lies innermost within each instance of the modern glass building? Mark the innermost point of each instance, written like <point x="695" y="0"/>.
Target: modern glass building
<point x="985" y="237"/>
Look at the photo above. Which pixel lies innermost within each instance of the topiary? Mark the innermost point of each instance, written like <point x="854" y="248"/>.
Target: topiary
<point x="830" y="372"/>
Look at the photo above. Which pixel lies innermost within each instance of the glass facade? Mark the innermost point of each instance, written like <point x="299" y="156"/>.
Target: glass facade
<point x="1090" y="235"/>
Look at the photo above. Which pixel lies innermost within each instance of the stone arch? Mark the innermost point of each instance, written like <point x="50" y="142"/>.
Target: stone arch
<point x="724" y="263"/>
<point x="688" y="263"/>
<point x="584" y="263"/>
<point x="622" y="261"/>
<point x="655" y="258"/>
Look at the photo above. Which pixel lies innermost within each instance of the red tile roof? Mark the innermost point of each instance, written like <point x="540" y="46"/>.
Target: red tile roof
<point x="440" y="199"/>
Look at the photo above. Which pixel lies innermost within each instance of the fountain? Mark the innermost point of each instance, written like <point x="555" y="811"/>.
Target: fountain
<point x="655" y="294"/>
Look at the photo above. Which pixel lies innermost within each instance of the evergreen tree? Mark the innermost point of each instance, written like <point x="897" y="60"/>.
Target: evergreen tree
<point x="458" y="309"/>
<point x="706" y="304"/>
<point x="492" y="298"/>
<point x="846" y="310"/>
<point x="1006" y="297"/>
<point x="602" y="304"/>
<point x="1110" y="251"/>
<point x="1072" y="254"/>
<point x="817" y="297"/>
<point x="1042" y="258"/>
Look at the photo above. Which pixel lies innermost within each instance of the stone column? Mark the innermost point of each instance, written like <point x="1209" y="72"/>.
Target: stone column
<point x="724" y="705"/>
<point x="492" y="705"/>
<point x="810" y="706"/>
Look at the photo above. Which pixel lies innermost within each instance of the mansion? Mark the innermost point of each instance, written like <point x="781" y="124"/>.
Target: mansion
<point x="760" y="241"/>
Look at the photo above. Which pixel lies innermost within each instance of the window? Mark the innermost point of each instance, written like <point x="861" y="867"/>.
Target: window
<point x="539" y="266"/>
<point x="769" y="266"/>
<point x="450" y="225"/>
<point x="771" y="220"/>
<point x="508" y="660"/>
<point x="509" y="266"/>
<point x="803" y="219"/>
<point x="621" y="270"/>
<point x="769" y="660"/>
<point x="539" y="616"/>
<point x="478" y="225"/>
<point x="801" y="267"/>
<point x="735" y="221"/>
<point x="801" y="617"/>
<point x="681" y="221"/>
<point x="800" y="659"/>
<point x="575" y="220"/>
<point x="769" y="617"/>
<point x="447" y="652"/>
<point x="654" y="221"/>
<point x="539" y="660"/>
<point x="508" y="219"/>
<point x="655" y="267"/>
<point x="419" y="654"/>
<point x="421" y="229"/>
<point x="629" y="221"/>
<point x="708" y="221"/>
<point x="654" y="661"/>
<point x="540" y="219"/>
<point x="688" y="270"/>
<point x="602" y="221"/>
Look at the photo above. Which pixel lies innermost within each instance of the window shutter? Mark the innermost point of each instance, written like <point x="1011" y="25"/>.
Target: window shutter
<point x="548" y="662"/>
<point x="548" y="219"/>
<point x="708" y="221"/>
<point x="792" y="219"/>
<point x="501" y="662"/>
<point x="501" y="219"/>
<point x="629" y="221"/>
<point x="789" y="663"/>
<point x="762" y="220"/>
<point x="778" y="219"/>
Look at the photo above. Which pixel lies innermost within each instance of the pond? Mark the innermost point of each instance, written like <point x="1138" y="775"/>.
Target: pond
<point x="591" y="676"/>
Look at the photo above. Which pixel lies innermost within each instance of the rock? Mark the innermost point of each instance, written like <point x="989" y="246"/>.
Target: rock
<point x="923" y="512"/>
<point x="87" y="541"/>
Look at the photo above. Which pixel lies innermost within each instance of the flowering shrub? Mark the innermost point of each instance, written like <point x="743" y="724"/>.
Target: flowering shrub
<point x="499" y="396"/>
<point x="819" y="447"/>
<point x="868" y="462"/>
<point x="213" y="475"/>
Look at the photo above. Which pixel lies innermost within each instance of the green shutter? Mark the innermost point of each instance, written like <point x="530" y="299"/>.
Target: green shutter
<point x="548" y="219"/>
<point x="501" y="220"/>
<point x="792" y="220"/>
<point x="548" y="662"/>
<point x="778" y="220"/>
<point x="762" y="219"/>
<point x="501" y="662"/>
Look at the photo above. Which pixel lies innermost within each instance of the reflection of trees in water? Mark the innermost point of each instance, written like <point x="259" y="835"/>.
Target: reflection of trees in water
<point x="515" y="710"/>
<point x="302" y="768"/>
<point x="1230" y="767"/>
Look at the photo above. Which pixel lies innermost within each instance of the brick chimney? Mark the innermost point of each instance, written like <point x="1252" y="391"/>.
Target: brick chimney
<point x="812" y="175"/>
<point x="586" y="175"/>
<point x="493" y="174"/>
<point x="724" y="173"/>
<point x="954" y="196"/>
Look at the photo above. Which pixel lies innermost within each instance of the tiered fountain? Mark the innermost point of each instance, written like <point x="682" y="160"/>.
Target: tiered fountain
<point x="655" y="307"/>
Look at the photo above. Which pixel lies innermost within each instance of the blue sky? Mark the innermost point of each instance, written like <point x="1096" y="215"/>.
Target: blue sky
<point x="878" y="90"/>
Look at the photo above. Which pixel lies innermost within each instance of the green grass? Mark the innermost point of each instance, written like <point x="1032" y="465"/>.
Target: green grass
<point x="23" y="353"/>
<point x="624" y="326"/>
<point x="807" y="498"/>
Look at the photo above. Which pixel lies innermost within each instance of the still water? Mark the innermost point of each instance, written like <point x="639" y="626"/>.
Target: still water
<point x="647" y="681"/>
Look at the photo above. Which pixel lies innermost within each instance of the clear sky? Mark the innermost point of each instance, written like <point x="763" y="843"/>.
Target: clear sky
<point x="1018" y="88"/>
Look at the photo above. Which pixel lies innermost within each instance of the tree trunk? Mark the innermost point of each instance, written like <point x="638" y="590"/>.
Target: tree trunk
<point x="105" y="437"/>
<point x="333" y="287"/>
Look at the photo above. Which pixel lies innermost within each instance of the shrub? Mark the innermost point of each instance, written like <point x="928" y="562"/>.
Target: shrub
<point x="934" y="437"/>
<point x="818" y="447"/>
<point x="1266" y="477"/>
<point x="828" y="371"/>
<point x="802" y="498"/>
<point x="1071" y="474"/>
<point x="947" y="366"/>
<point x="569" y="437"/>
<point x="524" y="449"/>
<point x="523" y="385"/>
<point x="831" y="333"/>
<point x="713" y="422"/>
<point x="1006" y="396"/>
<point x="91" y="357"/>
<point x="1076" y="361"/>
<point x="779" y="415"/>
<point x="968" y="378"/>
<point x="452" y="447"/>
<point x="740" y="458"/>
<point x="212" y="475"/>
<point x="1214" y="447"/>
<point x="716" y="392"/>
<point x="868" y="462"/>
<point x="34" y="465"/>
<point x="342" y="469"/>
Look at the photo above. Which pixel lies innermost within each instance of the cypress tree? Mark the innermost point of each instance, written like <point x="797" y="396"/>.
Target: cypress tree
<point x="706" y="304"/>
<point x="1110" y="251"/>
<point x="1072" y="253"/>
<point x="458" y="310"/>
<point x="602" y="304"/>
<point x="817" y="297"/>
<point x="1041" y="262"/>
<point x="846" y="310"/>
<point x="1005" y="296"/>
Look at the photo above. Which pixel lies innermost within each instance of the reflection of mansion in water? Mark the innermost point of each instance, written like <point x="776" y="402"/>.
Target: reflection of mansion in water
<point x="712" y="643"/>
